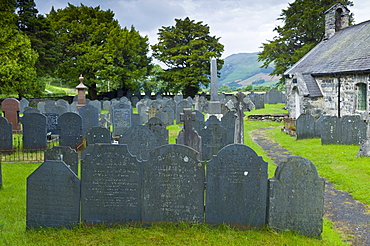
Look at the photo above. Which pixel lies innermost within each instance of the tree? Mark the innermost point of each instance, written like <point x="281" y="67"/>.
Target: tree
<point x="94" y="45"/>
<point x="303" y="28"/>
<point x="17" y="58"/>
<point x="186" y="49"/>
<point x="43" y="38"/>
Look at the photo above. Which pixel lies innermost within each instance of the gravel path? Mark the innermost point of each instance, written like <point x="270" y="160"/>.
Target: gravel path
<point x="349" y="216"/>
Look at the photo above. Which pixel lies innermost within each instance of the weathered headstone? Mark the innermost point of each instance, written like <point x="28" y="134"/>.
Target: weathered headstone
<point x="70" y="129"/>
<point x="140" y="140"/>
<point x="212" y="120"/>
<point x="96" y="104"/>
<point x="50" y="106"/>
<point x="168" y="115"/>
<point x="198" y="124"/>
<point x="171" y="103"/>
<point x="63" y="153"/>
<point x="236" y="187"/>
<point x="353" y="129"/>
<point x="6" y="135"/>
<point x="179" y="109"/>
<point x="228" y="121"/>
<point x="110" y="185"/>
<point x="98" y="134"/>
<point x="23" y="103"/>
<point x="214" y="138"/>
<point x="34" y="131"/>
<point x="274" y="96"/>
<point x="53" y="196"/>
<point x="90" y="117"/>
<point x="173" y="185"/>
<point x="64" y="106"/>
<point x="188" y="136"/>
<point x="11" y="107"/>
<point x="29" y="110"/>
<point x="296" y="198"/>
<point x="305" y="126"/>
<point x="134" y="101"/>
<point x="331" y="130"/>
<point x="240" y="106"/>
<point x="152" y="111"/>
<point x="52" y="123"/>
<point x="121" y="118"/>
<point x="106" y="105"/>
<point x="159" y="129"/>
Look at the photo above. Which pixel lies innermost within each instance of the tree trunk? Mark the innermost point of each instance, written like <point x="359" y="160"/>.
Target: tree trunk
<point x="190" y="90"/>
<point x="93" y="94"/>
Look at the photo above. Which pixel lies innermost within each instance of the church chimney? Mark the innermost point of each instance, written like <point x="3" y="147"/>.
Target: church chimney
<point x="336" y="18"/>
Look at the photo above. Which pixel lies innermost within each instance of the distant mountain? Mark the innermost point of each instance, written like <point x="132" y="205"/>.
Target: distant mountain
<point x="243" y="69"/>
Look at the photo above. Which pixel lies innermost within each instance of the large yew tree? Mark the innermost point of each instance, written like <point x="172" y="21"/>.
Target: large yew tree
<point x="186" y="49"/>
<point x="303" y="27"/>
<point x="94" y="45"/>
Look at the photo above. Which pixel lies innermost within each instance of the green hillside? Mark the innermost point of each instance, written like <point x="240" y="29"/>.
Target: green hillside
<point x="243" y="69"/>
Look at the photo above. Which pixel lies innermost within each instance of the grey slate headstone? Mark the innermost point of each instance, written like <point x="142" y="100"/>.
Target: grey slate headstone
<point x="296" y="198"/>
<point x="63" y="153"/>
<point x="168" y="115"/>
<point x="353" y="129"/>
<point x="24" y="103"/>
<point x="70" y="129"/>
<point x="236" y="187"/>
<point x="50" y="106"/>
<point x="96" y="104"/>
<point x="331" y="130"/>
<point x="228" y="122"/>
<point x="98" y="134"/>
<point x="53" y="196"/>
<point x="29" y="110"/>
<point x="110" y="185"/>
<point x="65" y="107"/>
<point x="121" y="118"/>
<point x="173" y="185"/>
<point x="90" y="117"/>
<point x="6" y="135"/>
<point x="159" y="129"/>
<point x="198" y="124"/>
<point x="34" y="131"/>
<point x="214" y="138"/>
<point x="305" y="126"/>
<point x="140" y="140"/>
<point x="179" y="109"/>
<point x="52" y="123"/>
<point x="41" y="107"/>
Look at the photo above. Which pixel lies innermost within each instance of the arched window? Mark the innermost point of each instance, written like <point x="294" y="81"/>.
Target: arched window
<point x="338" y="19"/>
<point x="361" y="96"/>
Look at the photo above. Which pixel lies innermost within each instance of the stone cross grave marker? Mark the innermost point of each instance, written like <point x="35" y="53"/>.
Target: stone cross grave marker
<point x="296" y="198"/>
<point x="6" y="135"/>
<point x="34" y="131"/>
<point x="173" y="185"/>
<point x="236" y="187"/>
<point x="110" y="185"/>
<point x="53" y="196"/>
<point x="63" y="153"/>
<point x="11" y="107"/>
<point x="188" y="136"/>
<point x="240" y="106"/>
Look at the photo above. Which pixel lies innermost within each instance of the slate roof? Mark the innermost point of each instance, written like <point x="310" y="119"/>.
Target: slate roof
<point x="348" y="51"/>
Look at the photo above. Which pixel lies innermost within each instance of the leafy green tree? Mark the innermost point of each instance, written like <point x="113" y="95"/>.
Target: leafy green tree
<point x="303" y="27"/>
<point x="43" y="38"/>
<point x="94" y="45"/>
<point x="17" y="58"/>
<point x="186" y="49"/>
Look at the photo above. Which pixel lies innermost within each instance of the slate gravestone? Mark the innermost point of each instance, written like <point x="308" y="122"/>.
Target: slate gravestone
<point x="258" y="100"/>
<point x="178" y="98"/>
<point x="134" y="101"/>
<point x="50" y="106"/>
<point x="34" y="131"/>
<point x="188" y="136"/>
<point x="353" y="129"/>
<point x="305" y="126"/>
<point x="173" y="185"/>
<point x="212" y="120"/>
<point x="64" y="106"/>
<point x="159" y="129"/>
<point x="96" y="104"/>
<point x="274" y="96"/>
<point x="331" y="130"/>
<point x="136" y="120"/>
<point x="29" y="110"/>
<point x="70" y="129"/>
<point x="53" y="196"/>
<point x="63" y="153"/>
<point x="168" y="115"/>
<point x="121" y="118"/>
<point x="179" y="109"/>
<point x="6" y="135"/>
<point x="156" y="104"/>
<point x="90" y="117"/>
<point x="110" y="185"/>
<point x="98" y="134"/>
<point x="228" y="122"/>
<point x="214" y="138"/>
<point x="318" y="126"/>
<point x="11" y="107"/>
<point x="104" y="120"/>
<point x="23" y="103"/>
<point x="198" y="124"/>
<point x="236" y="187"/>
<point x="296" y="198"/>
<point x="41" y="107"/>
<point x="140" y="140"/>
<point x="171" y="103"/>
<point x="106" y="105"/>
<point x="52" y="123"/>
<point x="144" y="115"/>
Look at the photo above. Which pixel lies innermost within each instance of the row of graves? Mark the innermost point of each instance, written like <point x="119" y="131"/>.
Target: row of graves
<point x="207" y="176"/>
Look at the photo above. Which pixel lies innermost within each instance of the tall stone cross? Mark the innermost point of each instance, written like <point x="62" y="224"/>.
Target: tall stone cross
<point x="240" y="107"/>
<point x="188" y="136"/>
<point x="152" y="111"/>
<point x="187" y="117"/>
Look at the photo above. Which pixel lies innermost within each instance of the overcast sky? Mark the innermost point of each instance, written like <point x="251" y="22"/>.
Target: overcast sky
<point x="243" y="25"/>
